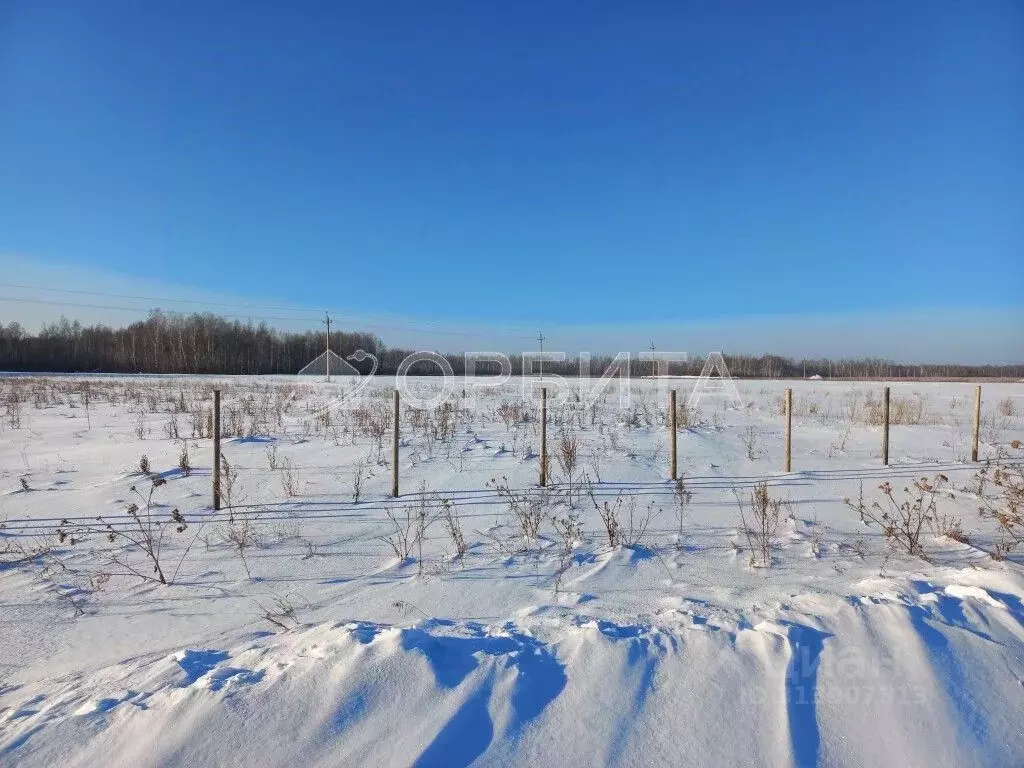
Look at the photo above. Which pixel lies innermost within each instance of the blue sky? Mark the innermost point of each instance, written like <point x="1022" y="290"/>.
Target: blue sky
<point x="650" y="168"/>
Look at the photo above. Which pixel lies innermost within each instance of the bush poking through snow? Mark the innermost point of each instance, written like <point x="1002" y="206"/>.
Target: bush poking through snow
<point x="403" y="538"/>
<point x="751" y="441"/>
<point x="816" y="536"/>
<point x="144" y="464"/>
<point x="609" y="514"/>
<point x="637" y="522"/>
<point x="242" y="535"/>
<point x="143" y="535"/>
<point x="526" y="508"/>
<point x="761" y="523"/>
<point x="411" y="529"/>
<point x="281" y="612"/>
<point x="902" y="522"/>
<point x="683" y="496"/>
<point x="359" y="474"/>
<point x="858" y="506"/>
<point x="686" y="417"/>
<point x="228" y="480"/>
<point x="183" y="462"/>
<point x="1006" y="504"/>
<point x="570" y="534"/>
<point x="623" y="529"/>
<point x="454" y="528"/>
<point x="567" y="454"/>
<point x="289" y="478"/>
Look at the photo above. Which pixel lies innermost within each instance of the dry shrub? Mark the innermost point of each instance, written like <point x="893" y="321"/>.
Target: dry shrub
<point x="903" y="410"/>
<point x="903" y="522"/>
<point x="624" y="524"/>
<point x="760" y="521"/>
<point x="410" y="528"/>
<point x="289" y="478"/>
<point x="142" y="537"/>
<point x="243" y="534"/>
<point x="567" y="454"/>
<point x="1005" y="503"/>
<point x="682" y="495"/>
<point x="526" y="508"/>
<point x="569" y="530"/>
<point x="454" y="529"/>
<point x="751" y="441"/>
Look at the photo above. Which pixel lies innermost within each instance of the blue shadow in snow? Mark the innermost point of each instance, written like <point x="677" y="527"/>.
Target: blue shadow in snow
<point x="465" y="736"/>
<point x="198" y="663"/>
<point x="947" y="665"/>
<point x="806" y="645"/>
<point x="539" y="680"/>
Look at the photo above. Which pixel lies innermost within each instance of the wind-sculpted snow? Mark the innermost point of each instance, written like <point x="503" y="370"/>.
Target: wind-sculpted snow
<point x="940" y="668"/>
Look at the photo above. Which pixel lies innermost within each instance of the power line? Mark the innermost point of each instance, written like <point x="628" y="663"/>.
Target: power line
<point x="327" y="352"/>
<point x="152" y="298"/>
<point x="540" y="338"/>
<point x="145" y="310"/>
<point x="272" y="308"/>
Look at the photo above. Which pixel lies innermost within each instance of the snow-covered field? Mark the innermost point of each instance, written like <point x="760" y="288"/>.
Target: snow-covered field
<point x="293" y="634"/>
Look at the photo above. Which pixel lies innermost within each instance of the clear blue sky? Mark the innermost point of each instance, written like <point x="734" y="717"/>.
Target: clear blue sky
<point x="525" y="163"/>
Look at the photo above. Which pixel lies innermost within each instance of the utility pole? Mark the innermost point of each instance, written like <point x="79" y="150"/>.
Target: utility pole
<point x="540" y="338"/>
<point x="327" y="354"/>
<point x="654" y="368"/>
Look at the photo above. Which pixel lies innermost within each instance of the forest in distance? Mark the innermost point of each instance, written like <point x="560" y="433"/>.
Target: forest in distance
<point x="205" y="343"/>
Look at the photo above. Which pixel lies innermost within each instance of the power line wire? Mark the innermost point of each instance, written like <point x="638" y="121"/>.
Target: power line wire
<point x="402" y="324"/>
<point x="145" y="310"/>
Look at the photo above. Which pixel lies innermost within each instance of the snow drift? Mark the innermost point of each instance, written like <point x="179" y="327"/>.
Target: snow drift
<point x="939" y="667"/>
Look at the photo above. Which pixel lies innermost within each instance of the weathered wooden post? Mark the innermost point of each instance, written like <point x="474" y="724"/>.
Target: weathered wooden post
<point x="885" y="427"/>
<point x="543" y="436"/>
<point x="789" y="430"/>
<point x="394" y="452"/>
<point x="672" y="429"/>
<point x="977" y="422"/>
<point x="216" y="449"/>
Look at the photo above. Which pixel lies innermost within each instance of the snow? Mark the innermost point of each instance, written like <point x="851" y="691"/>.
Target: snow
<point x="672" y="652"/>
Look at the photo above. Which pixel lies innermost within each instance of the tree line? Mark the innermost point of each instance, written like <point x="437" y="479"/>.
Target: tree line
<point x="170" y="343"/>
<point x="204" y="343"/>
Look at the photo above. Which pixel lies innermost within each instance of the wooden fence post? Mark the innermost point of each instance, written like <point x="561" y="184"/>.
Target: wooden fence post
<point x="789" y="430"/>
<point x="885" y="427"/>
<point x="216" y="449"/>
<point x="672" y="429"/>
<point x="394" y="453"/>
<point x="977" y="422"/>
<point x="543" y="437"/>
